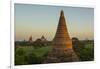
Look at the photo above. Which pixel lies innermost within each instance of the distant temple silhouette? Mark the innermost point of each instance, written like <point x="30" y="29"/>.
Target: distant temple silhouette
<point x="62" y="45"/>
<point x="42" y="39"/>
<point x="30" y="39"/>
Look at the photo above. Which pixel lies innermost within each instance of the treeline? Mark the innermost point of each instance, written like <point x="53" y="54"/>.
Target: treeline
<point x="35" y="44"/>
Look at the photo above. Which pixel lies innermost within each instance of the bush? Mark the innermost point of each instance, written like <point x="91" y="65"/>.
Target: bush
<point x="19" y="60"/>
<point x="33" y="59"/>
<point x="20" y="51"/>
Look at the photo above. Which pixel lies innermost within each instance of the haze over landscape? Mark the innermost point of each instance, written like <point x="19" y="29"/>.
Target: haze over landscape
<point x="38" y="20"/>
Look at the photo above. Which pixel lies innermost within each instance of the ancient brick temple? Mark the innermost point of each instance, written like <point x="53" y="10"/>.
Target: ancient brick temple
<point x="62" y="45"/>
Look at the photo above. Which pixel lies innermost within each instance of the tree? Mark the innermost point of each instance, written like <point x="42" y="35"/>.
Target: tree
<point x="19" y="56"/>
<point x="20" y="51"/>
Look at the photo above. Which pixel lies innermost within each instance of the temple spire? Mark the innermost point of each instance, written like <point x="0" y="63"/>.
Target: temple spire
<point x="62" y="13"/>
<point x="62" y="37"/>
<point x="62" y="44"/>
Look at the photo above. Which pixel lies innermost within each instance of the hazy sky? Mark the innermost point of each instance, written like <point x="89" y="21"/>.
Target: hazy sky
<point x="38" y="20"/>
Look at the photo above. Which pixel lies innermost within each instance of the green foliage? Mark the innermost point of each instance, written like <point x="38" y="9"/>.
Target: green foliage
<point x="84" y="50"/>
<point x="36" y="54"/>
<point x="19" y="60"/>
<point x="29" y="55"/>
<point x="33" y="59"/>
<point x="87" y="54"/>
<point x="20" y="51"/>
<point x="19" y="56"/>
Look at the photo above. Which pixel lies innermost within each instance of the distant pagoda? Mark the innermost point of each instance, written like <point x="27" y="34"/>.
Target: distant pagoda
<point x="62" y="45"/>
<point x="43" y="39"/>
<point x="30" y="39"/>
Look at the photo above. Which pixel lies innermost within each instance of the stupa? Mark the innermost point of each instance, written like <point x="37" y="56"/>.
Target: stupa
<point x="62" y="45"/>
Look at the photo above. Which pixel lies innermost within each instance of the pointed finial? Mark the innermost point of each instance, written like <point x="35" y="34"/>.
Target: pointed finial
<point x="62" y="13"/>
